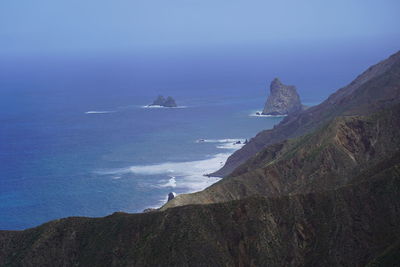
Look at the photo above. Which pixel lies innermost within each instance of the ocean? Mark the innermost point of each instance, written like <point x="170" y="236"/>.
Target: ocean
<point x="77" y="140"/>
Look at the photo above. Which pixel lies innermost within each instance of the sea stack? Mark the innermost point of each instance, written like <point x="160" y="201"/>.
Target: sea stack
<point x="168" y="102"/>
<point x="282" y="100"/>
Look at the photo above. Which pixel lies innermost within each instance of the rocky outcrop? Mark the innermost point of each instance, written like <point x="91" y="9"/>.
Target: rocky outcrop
<point x="375" y="89"/>
<point x="171" y="196"/>
<point x="282" y="100"/>
<point x="168" y="102"/>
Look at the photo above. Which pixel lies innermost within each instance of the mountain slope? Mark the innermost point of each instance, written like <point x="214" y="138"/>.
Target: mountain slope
<point x="349" y="226"/>
<point x="374" y="89"/>
<point x="329" y="158"/>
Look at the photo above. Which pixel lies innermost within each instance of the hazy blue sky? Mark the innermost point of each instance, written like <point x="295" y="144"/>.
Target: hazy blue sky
<point x="73" y="26"/>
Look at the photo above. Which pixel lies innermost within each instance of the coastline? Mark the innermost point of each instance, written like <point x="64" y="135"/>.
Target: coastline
<point x="191" y="176"/>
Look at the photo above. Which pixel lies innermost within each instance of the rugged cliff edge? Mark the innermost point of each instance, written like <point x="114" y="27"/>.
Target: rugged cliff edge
<point x="376" y="88"/>
<point x="282" y="100"/>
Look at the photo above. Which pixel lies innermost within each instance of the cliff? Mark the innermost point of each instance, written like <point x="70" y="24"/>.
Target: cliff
<point x="378" y="87"/>
<point x="282" y="100"/>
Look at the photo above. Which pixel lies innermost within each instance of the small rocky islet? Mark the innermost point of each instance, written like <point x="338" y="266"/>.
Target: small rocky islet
<point x="161" y="101"/>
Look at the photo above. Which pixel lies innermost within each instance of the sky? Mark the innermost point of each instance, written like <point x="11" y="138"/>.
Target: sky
<point x="46" y="27"/>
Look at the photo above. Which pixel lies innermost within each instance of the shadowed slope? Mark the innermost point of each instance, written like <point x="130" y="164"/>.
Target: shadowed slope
<point x="348" y="226"/>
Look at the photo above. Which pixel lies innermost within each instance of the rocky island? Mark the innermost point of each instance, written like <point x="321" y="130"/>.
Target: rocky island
<point x="282" y="100"/>
<point x="161" y="101"/>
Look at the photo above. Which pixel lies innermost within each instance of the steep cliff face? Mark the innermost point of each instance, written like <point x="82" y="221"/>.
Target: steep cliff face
<point x="327" y="159"/>
<point x="282" y="100"/>
<point x="349" y="226"/>
<point x="377" y="88"/>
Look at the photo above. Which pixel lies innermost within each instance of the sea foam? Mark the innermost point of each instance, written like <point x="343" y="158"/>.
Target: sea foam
<point x="254" y="114"/>
<point x="99" y="111"/>
<point x="187" y="176"/>
<point x="170" y="183"/>
<point x="157" y="106"/>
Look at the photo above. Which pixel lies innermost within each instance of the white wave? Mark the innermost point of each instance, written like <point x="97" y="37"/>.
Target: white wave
<point x="189" y="176"/>
<point x="170" y="183"/>
<point x="254" y="114"/>
<point x="231" y="145"/>
<point x="157" y="106"/>
<point x="99" y="111"/>
<point x="229" y="140"/>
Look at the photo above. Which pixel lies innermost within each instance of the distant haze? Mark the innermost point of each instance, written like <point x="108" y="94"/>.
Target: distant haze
<point x="48" y="27"/>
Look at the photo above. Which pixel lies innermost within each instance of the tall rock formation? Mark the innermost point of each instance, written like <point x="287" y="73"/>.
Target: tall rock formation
<point x="283" y="99"/>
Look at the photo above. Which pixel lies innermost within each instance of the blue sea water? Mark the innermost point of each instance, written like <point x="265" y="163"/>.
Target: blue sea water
<point x="75" y="139"/>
